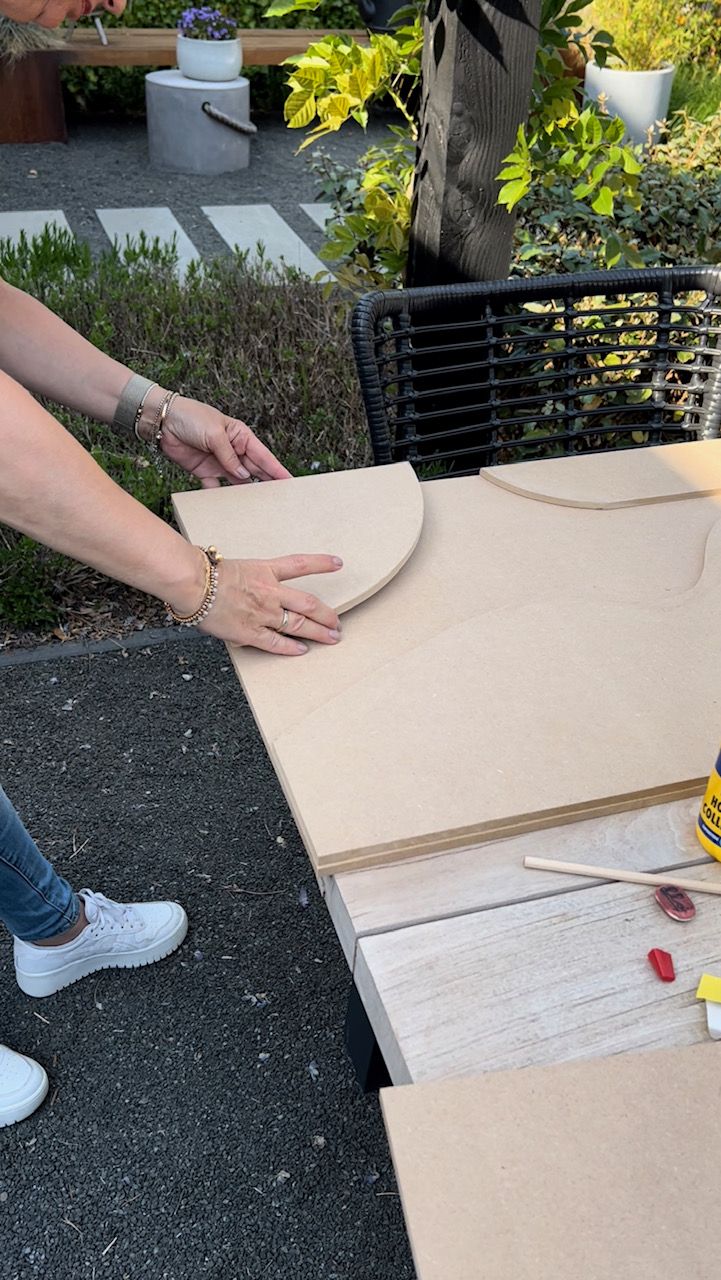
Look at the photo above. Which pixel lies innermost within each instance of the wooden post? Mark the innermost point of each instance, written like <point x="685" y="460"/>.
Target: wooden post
<point x="478" y="62"/>
<point x="31" y="100"/>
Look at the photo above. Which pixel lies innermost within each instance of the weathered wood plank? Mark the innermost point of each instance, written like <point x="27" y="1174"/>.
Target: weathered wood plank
<point x="404" y="894"/>
<point x="537" y="982"/>
<point x="155" y="47"/>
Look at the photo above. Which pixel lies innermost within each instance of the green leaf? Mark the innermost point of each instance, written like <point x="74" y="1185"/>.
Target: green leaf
<point x="513" y="171"/>
<point x="279" y="8"/>
<point x="632" y="256"/>
<point x="612" y="251"/>
<point x="511" y="192"/>
<point x="631" y="163"/>
<point x="604" y="202"/>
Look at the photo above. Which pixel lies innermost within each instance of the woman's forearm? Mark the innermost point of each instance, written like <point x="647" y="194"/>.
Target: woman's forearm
<point x="43" y="353"/>
<point x="51" y="489"/>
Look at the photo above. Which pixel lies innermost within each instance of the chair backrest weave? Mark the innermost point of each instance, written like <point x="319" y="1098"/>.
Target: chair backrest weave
<point x="464" y="376"/>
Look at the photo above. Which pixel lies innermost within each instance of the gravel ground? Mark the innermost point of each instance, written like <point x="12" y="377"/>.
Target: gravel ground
<point x="203" y="1119"/>
<point x="106" y="165"/>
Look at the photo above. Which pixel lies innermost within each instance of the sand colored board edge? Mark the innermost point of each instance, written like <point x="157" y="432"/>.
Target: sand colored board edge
<point x="621" y="478"/>
<point x="371" y="517"/>
<point x="594" y="1169"/>
<point x="449" y="841"/>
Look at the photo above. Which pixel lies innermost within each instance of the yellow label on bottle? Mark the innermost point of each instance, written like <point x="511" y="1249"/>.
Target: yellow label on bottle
<point x="708" y="827"/>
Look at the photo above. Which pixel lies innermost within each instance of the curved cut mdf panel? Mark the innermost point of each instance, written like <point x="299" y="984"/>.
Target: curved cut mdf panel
<point x="372" y="518"/>
<point x="625" y="478"/>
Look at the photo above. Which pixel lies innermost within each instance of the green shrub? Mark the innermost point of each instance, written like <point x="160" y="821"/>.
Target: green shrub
<point x="647" y="33"/>
<point x="679" y="219"/>
<point x="262" y="344"/>
<point x="31" y="584"/>
<point x="122" y="89"/>
<point x="697" y="91"/>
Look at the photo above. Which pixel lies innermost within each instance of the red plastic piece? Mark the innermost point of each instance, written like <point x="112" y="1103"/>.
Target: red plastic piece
<point x="663" y="964"/>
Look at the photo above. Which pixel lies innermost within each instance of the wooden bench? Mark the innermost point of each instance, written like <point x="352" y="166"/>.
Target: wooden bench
<point x="31" y="92"/>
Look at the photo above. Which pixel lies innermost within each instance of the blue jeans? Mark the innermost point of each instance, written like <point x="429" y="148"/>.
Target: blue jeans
<point x="35" y="902"/>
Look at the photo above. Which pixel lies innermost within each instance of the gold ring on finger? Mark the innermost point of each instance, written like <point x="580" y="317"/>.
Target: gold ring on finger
<point x="284" y="621"/>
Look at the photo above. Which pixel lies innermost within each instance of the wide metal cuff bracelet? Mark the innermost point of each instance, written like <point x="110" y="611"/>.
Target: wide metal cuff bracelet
<point x="133" y="394"/>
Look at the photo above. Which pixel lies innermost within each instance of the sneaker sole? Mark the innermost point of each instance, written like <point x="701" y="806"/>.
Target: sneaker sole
<point x="23" y="1109"/>
<point x="41" y="984"/>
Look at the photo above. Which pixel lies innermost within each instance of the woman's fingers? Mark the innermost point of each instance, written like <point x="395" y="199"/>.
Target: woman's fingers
<point x="255" y="607"/>
<point x="299" y="566"/>
<point x="304" y="628"/>
<point x="261" y="462"/>
<point x="253" y="454"/>
<point x="305" y="605"/>
<point x="274" y="642"/>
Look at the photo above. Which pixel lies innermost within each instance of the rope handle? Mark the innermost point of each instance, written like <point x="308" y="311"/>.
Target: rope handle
<point x="240" y="126"/>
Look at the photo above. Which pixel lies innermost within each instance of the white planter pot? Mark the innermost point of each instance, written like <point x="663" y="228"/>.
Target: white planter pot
<point x="640" y="98"/>
<point x="209" y="59"/>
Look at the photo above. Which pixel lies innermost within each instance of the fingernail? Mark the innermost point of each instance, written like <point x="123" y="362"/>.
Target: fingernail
<point x="338" y="562"/>
<point x="241" y="471"/>
<point x="301" y="648"/>
<point x="334" y="635"/>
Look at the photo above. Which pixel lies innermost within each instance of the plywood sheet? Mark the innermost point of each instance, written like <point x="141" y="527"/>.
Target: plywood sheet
<point x="622" y="478"/>
<point x="532" y="663"/>
<point x="371" y="518"/>
<point x="597" y="1170"/>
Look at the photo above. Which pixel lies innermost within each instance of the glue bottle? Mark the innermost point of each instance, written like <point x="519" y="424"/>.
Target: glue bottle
<point x="708" y="827"/>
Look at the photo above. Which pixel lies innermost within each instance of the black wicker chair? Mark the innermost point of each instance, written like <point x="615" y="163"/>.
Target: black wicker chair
<point x="463" y="376"/>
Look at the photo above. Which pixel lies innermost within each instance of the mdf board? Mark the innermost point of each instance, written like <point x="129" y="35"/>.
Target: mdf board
<point x="605" y="1170"/>
<point x="625" y="478"/>
<point x="371" y="519"/>
<point x="532" y="663"/>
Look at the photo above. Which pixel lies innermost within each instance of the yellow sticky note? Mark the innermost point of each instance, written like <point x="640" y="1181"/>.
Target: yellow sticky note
<point x="709" y="988"/>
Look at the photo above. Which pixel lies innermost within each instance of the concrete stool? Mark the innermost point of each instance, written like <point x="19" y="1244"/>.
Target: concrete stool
<point x="182" y="137"/>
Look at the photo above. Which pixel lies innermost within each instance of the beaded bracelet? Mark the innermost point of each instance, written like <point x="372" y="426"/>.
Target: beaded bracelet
<point x="212" y="560"/>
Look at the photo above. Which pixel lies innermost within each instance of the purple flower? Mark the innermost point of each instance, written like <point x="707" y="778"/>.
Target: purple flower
<point x="201" y="22"/>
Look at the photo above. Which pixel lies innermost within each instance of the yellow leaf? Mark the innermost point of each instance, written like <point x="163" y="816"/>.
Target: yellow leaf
<point x="299" y="108"/>
<point x="334" y="109"/>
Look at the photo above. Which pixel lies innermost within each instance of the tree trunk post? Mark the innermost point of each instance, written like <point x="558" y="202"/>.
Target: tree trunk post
<point x="478" y="60"/>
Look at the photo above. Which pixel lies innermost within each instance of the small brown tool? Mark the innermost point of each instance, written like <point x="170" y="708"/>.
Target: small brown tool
<point x="675" y="902"/>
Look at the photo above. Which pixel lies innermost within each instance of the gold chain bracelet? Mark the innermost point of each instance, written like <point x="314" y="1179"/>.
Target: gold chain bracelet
<point x="213" y="559"/>
<point x="158" y="423"/>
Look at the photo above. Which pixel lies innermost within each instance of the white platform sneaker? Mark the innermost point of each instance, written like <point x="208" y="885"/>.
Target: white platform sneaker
<point x="23" y="1085"/>
<point x="117" y="935"/>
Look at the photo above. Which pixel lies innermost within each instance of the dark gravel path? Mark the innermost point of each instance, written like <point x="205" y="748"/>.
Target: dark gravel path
<point x="203" y="1119"/>
<point x="106" y="165"/>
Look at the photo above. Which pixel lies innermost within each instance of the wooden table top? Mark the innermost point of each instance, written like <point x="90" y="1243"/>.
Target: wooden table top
<point x="469" y="962"/>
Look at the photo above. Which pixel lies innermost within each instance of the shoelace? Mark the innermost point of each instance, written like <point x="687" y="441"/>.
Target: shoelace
<point x="101" y="911"/>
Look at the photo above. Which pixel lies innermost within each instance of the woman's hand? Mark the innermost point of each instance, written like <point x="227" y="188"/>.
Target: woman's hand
<point x="252" y="601"/>
<point x="214" y="447"/>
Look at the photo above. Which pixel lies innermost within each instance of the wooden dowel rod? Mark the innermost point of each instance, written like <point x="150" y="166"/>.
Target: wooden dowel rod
<point x="628" y="877"/>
